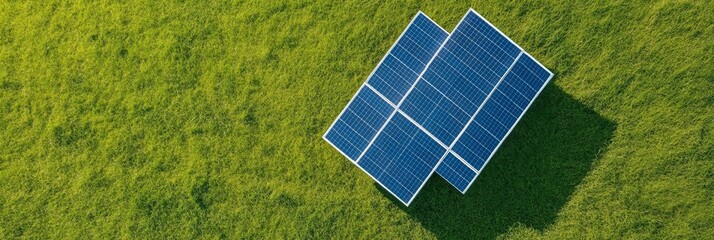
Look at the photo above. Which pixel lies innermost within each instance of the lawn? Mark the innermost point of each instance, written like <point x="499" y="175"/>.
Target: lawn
<point x="183" y="119"/>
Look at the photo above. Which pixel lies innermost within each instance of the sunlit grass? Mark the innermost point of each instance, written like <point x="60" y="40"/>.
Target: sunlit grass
<point x="186" y="119"/>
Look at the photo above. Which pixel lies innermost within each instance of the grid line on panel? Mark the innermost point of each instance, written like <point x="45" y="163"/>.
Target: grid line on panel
<point x="355" y="130"/>
<point x="521" y="78"/>
<point x="448" y="83"/>
<point x="414" y="41"/>
<point x="402" y="62"/>
<point x="444" y="96"/>
<point x="487" y="131"/>
<point x="452" y="86"/>
<point x="472" y="70"/>
<point x="494" y="27"/>
<point x="464" y="161"/>
<point x="384" y="169"/>
<point x="479" y="109"/>
<point x="454" y="172"/>
<point x="504" y="107"/>
<point x="437" y="103"/>
<point x="516" y="89"/>
<point x="453" y="169"/>
<point x="495" y="52"/>
<point x="496" y="118"/>
<point x="380" y="95"/>
<point x="509" y="99"/>
<point x="467" y="65"/>
<point x="536" y="61"/>
<point x="390" y="87"/>
<point x="410" y="54"/>
<point x="421" y="128"/>
<point x="400" y="76"/>
<point x="360" y="117"/>
<point x="349" y="142"/>
<point x="457" y="71"/>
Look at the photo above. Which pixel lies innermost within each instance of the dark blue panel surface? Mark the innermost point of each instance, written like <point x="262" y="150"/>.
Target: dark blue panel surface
<point x="406" y="60"/>
<point x="435" y="112"/>
<point x="463" y="73"/>
<point x="456" y="172"/>
<point x="501" y="111"/>
<point x="402" y="158"/>
<point x="359" y="123"/>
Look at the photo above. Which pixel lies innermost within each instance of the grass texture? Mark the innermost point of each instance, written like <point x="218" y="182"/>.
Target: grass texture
<point x="188" y="119"/>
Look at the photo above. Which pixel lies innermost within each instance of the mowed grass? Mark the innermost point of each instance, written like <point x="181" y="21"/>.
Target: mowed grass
<point x="183" y="119"/>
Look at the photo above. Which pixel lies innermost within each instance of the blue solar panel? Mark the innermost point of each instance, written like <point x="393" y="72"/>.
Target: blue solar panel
<point x="438" y="103"/>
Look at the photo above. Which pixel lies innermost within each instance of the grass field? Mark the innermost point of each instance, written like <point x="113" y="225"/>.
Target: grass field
<point x="143" y="119"/>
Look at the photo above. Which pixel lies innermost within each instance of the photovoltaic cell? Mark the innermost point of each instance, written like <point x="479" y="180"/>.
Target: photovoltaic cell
<point x="438" y="103"/>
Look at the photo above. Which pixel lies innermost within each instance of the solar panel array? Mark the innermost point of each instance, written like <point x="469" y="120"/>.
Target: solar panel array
<point x="437" y="102"/>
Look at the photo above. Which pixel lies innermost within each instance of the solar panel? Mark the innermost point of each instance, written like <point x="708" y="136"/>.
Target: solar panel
<point x="369" y="132"/>
<point x="514" y="81"/>
<point x="438" y="102"/>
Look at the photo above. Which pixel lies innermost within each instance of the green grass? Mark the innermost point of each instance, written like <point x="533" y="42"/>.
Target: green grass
<point x="139" y="119"/>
